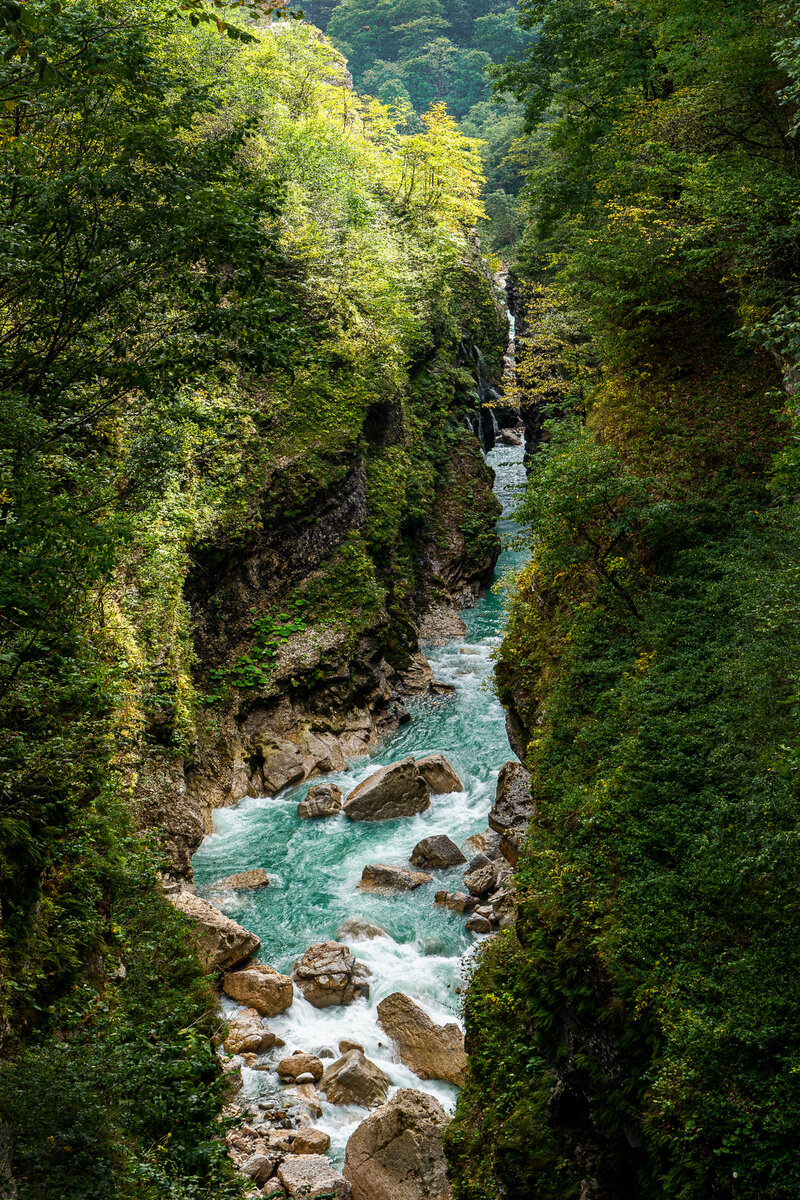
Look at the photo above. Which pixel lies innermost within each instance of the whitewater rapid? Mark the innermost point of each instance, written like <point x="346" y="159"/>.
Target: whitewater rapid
<point x="315" y="865"/>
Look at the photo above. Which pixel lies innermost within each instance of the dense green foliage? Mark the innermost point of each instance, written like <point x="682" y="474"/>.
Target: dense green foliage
<point x="636" y="1036"/>
<point x="418" y="52"/>
<point x="214" y="259"/>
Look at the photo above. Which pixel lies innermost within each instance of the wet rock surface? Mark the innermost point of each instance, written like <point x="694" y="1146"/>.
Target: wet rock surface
<point x="438" y="774"/>
<point x="247" y="1034"/>
<point x="244" y="881"/>
<point x="378" y="877"/>
<point x="322" y="800"/>
<point x="329" y="974"/>
<point x="260" y="987"/>
<point x="222" y="943"/>
<point x="358" y="928"/>
<point x="437" y="853"/>
<point x="431" y="1051"/>
<point x="396" y="1153"/>
<point x="353" y="1079"/>
<point x="395" y="791"/>
<point x="299" y="1064"/>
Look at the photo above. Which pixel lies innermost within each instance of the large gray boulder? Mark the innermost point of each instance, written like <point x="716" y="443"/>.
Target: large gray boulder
<point x="222" y="943"/>
<point x="378" y="877"/>
<point x="437" y="852"/>
<point x="438" y="774"/>
<point x="513" y="806"/>
<point x="311" y="1175"/>
<point x="329" y="974"/>
<point x="353" y="1079"/>
<point x="395" y="791"/>
<point x="260" y="987"/>
<point x="247" y="1034"/>
<point x="431" y="1051"/>
<point x="323" y="800"/>
<point x="396" y="1153"/>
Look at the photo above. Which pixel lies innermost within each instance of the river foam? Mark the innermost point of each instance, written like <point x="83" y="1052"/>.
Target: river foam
<point x="315" y="865"/>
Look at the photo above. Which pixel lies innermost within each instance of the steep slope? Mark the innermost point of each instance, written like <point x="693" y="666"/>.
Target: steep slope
<point x="636" y="1035"/>
<point x="242" y="316"/>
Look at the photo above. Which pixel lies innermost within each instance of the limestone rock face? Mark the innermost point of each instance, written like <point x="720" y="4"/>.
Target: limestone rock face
<point x="310" y="1175"/>
<point x="245" y="881"/>
<point x="323" y="800"/>
<point x="395" y="791"/>
<point x="329" y="974"/>
<point x="353" y="1079"/>
<point x="295" y="1065"/>
<point x="359" y="928"/>
<point x="396" y="1153"/>
<point x="378" y="877"/>
<point x="432" y="1051"/>
<point x="260" y="987"/>
<point x="247" y="1035"/>
<point x="438" y="774"/>
<point x="513" y="806"/>
<point x="437" y="852"/>
<point x="223" y="943"/>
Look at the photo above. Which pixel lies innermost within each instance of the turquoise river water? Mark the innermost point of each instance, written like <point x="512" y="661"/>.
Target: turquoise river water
<point x="315" y="865"/>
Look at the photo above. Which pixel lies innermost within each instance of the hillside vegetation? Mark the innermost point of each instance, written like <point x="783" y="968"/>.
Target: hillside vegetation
<point x="214" y="256"/>
<point x="637" y="1034"/>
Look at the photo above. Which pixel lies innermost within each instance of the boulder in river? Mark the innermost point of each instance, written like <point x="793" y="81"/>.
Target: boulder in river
<point x="311" y="1175"/>
<point x="222" y="942"/>
<point x="438" y="774"/>
<point x="513" y="807"/>
<point x="458" y="902"/>
<point x="378" y="877"/>
<point x="245" y="881"/>
<point x="437" y="852"/>
<point x="396" y="1153"/>
<point x="248" y="1035"/>
<point x="431" y="1051"/>
<point x="296" y="1065"/>
<point x="323" y="800"/>
<point x="359" y="929"/>
<point x="310" y="1141"/>
<point x="329" y="974"/>
<point x="478" y="924"/>
<point x="395" y="791"/>
<point x="259" y="987"/>
<point x="481" y="878"/>
<point x="353" y="1079"/>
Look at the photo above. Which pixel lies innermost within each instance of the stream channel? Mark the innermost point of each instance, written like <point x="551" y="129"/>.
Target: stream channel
<point x="315" y="865"/>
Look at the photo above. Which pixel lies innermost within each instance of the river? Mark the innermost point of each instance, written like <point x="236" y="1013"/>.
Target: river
<point x="315" y="865"/>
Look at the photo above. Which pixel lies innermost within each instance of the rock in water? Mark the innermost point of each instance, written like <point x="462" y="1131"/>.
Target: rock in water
<point x="438" y="852"/>
<point x="353" y="1079"/>
<point x="310" y="1175"/>
<point x="222" y="942"/>
<point x="395" y="791"/>
<point x="329" y="974"/>
<point x="359" y="929"/>
<point x="482" y="879"/>
<point x="396" y="1153"/>
<point x="260" y="987"/>
<point x="438" y="774"/>
<point x="296" y="1065"/>
<point x="247" y="1035"/>
<point x="245" y="881"/>
<point x="378" y="877"/>
<point x="310" y="1141"/>
<point x="323" y="800"/>
<point x="431" y="1051"/>
<point x="513" y="806"/>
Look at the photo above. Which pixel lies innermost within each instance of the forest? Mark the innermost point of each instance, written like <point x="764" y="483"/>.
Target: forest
<point x="238" y="256"/>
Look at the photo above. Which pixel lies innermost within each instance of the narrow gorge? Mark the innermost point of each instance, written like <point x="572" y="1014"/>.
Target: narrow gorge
<point x="409" y="940"/>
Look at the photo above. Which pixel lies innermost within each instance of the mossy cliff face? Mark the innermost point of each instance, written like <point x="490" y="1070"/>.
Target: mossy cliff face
<point x="306" y="621"/>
